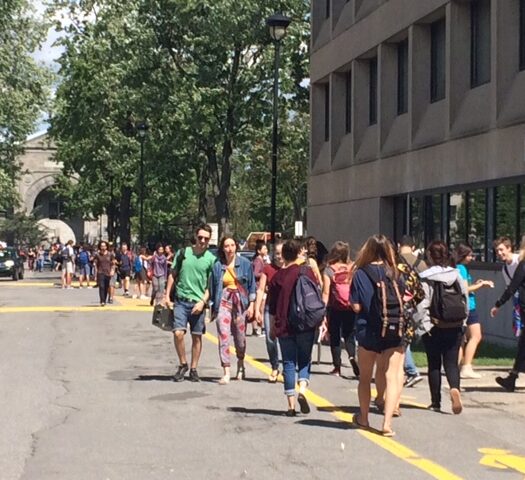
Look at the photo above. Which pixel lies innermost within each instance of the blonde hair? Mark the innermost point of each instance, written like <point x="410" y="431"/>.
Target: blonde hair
<point x="376" y="249"/>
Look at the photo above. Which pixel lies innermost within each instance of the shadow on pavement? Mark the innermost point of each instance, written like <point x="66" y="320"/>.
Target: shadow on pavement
<point x="169" y="378"/>
<point x="257" y="411"/>
<point x="491" y="388"/>
<point x="339" y="408"/>
<point x="314" y="422"/>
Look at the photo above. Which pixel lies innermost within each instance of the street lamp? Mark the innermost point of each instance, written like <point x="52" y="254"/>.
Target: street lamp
<point x="277" y="24"/>
<point x="142" y="131"/>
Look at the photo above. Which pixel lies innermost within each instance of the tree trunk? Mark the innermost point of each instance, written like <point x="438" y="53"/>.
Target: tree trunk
<point x="124" y="215"/>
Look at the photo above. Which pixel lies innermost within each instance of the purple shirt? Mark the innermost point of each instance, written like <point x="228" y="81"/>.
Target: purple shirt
<point x="160" y="265"/>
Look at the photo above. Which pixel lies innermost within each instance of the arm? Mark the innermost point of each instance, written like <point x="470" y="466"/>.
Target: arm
<point x="169" y="286"/>
<point x="315" y="268"/>
<point x="517" y="280"/>
<point x="259" y="297"/>
<point x="479" y="284"/>
<point x="251" y="293"/>
<point x="258" y="267"/>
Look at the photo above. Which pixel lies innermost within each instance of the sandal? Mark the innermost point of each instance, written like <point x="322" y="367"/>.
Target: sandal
<point x="388" y="433"/>
<point x="355" y="422"/>
<point x="273" y="376"/>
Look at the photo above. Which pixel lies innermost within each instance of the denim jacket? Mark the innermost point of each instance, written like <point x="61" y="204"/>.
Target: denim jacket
<point x="245" y="277"/>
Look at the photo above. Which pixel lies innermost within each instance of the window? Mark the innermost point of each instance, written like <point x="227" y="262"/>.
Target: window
<point x="402" y="77"/>
<point x="328" y="8"/>
<point x="507" y="207"/>
<point x="348" y="91"/>
<point x="477" y="212"/>
<point x="437" y="60"/>
<point x="479" y="43"/>
<point x="457" y="218"/>
<point x="326" y="112"/>
<point x="522" y="34"/>
<point x="372" y="100"/>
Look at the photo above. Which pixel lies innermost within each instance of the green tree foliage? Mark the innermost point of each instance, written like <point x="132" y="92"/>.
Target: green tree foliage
<point x="201" y="73"/>
<point x="24" y="86"/>
<point x="22" y="229"/>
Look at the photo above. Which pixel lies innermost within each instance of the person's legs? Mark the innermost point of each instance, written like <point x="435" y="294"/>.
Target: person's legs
<point x="334" y="329"/>
<point x="196" y="349"/>
<point x="367" y="359"/>
<point x="239" y="335"/>
<point x="409" y="364"/>
<point x="432" y="345"/>
<point x="474" y="337"/>
<point x="101" y="289"/>
<point x="197" y="327"/>
<point x="347" y="330"/>
<point x="271" y="345"/>
<point x="393" y="360"/>
<point x="305" y="344"/>
<point x="289" y="354"/>
<point x="224" y="328"/>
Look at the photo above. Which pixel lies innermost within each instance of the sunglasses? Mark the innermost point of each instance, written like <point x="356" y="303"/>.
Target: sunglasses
<point x="200" y="237"/>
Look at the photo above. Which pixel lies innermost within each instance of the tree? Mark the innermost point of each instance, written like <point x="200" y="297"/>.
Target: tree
<point x="24" y="86"/>
<point x="200" y="71"/>
<point x="22" y="229"/>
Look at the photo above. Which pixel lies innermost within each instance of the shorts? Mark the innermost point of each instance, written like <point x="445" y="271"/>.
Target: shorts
<point x="113" y="280"/>
<point x="68" y="267"/>
<point x="473" y="317"/>
<point x="370" y="339"/>
<point x="141" y="276"/>
<point x="183" y="316"/>
<point x="85" y="270"/>
<point x="125" y="273"/>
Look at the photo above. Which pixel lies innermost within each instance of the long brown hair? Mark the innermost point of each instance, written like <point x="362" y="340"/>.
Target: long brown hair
<point x="376" y="249"/>
<point x="220" y="250"/>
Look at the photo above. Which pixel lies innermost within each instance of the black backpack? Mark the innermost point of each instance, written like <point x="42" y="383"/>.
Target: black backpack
<point x="307" y="309"/>
<point x="448" y="304"/>
<point x="387" y="304"/>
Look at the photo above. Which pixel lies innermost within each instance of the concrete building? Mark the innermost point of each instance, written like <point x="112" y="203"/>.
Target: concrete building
<point x="418" y="121"/>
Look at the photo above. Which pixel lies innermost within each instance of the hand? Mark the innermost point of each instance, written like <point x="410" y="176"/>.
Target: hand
<point x="323" y="329"/>
<point x="197" y="308"/>
<point x="258" y="317"/>
<point x="168" y="302"/>
<point x="249" y="312"/>
<point x="489" y="283"/>
<point x="494" y="311"/>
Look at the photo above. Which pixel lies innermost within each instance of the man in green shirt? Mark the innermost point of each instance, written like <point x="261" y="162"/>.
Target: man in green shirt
<point x="190" y="273"/>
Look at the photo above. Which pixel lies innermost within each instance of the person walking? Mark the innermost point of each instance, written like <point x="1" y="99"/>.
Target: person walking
<point x="259" y="262"/>
<point x="83" y="266"/>
<point x="517" y="284"/>
<point x="159" y="265"/>
<point x="124" y="260"/>
<point x="139" y="266"/>
<point x="296" y="347"/>
<point x="463" y="255"/>
<point x="191" y="270"/>
<point x="40" y="258"/>
<point x="440" y="327"/>
<point x="232" y="293"/>
<point x="262" y="309"/>
<point x="337" y="277"/>
<point x="104" y="262"/>
<point x="68" y="264"/>
<point x="406" y="248"/>
<point x="376" y="284"/>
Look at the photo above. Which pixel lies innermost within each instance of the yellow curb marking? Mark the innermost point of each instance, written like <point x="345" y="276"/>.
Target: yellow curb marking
<point x="502" y="459"/>
<point x="94" y="309"/>
<point x="390" y="445"/>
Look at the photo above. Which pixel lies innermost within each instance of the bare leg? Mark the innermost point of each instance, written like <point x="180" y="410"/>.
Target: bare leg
<point x="366" y="366"/>
<point x="180" y="348"/>
<point x="394" y="360"/>
<point x="196" y="348"/>
<point x="474" y="337"/>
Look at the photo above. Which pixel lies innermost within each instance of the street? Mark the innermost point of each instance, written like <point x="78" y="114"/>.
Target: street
<point x="87" y="393"/>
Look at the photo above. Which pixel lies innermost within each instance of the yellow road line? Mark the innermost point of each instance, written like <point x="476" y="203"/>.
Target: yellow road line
<point x="94" y="309"/>
<point x="389" y="444"/>
<point x="30" y="284"/>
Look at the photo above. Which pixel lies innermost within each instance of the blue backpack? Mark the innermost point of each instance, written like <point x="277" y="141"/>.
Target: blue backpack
<point x="307" y="309"/>
<point x="83" y="258"/>
<point x="138" y="264"/>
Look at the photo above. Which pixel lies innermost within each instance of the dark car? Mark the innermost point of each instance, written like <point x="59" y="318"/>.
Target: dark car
<point x="11" y="264"/>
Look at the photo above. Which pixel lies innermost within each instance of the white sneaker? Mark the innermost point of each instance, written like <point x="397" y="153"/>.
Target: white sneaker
<point x="134" y="296"/>
<point x="467" y="372"/>
<point x="144" y="297"/>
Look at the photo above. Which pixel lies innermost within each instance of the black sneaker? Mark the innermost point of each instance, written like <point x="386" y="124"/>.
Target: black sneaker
<point x="355" y="367"/>
<point x="508" y="383"/>
<point x="435" y="407"/>
<point x="413" y="380"/>
<point x="291" y="413"/>
<point x="179" y="374"/>
<point x="194" y="376"/>
<point x="110" y="301"/>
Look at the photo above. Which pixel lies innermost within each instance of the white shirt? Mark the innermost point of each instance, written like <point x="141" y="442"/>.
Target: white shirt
<point x="509" y="269"/>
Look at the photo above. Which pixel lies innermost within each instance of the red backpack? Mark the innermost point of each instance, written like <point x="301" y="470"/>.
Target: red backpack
<point x="340" y="288"/>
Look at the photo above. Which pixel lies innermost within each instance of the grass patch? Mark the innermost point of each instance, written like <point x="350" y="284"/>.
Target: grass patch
<point x="488" y="355"/>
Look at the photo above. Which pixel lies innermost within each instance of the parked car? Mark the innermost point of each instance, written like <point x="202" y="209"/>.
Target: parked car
<point x="11" y="264"/>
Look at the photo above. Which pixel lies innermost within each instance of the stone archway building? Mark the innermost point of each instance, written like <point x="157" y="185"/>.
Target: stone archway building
<point x="39" y="173"/>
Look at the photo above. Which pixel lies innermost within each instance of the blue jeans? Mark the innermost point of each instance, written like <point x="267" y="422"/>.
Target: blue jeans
<point x="410" y="366"/>
<point x="272" y="346"/>
<point x="297" y="355"/>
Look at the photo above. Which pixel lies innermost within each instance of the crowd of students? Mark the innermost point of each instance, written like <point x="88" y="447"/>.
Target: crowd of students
<point x="372" y="308"/>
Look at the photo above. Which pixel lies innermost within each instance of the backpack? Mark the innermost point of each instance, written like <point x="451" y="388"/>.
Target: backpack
<point x="65" y="254"/>
<point x="413" y="285"/>
<point x="387" y="304"/>
<point x="340" y="289"/>
<point x="137" y="266"/>
<point x="83" y="258"/>
<point x="448" y="304"/>
<point x="307" y="309"/>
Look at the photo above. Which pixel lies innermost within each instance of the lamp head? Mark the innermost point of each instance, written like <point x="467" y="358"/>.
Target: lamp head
<point x="278" y="24"/>
<point x="142" y="129"/>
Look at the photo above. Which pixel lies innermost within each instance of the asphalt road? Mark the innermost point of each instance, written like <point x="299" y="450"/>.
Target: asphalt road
<point x="86" y="393"/>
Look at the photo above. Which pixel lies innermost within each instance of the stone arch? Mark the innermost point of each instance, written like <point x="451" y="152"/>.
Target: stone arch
<point x="35" y="189"/>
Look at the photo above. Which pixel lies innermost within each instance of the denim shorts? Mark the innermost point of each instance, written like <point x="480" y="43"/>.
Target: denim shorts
<point x="85" y="270"/>
<point x="370" y="338"/>
<point x="183" y="316"/>
<point x="473" y="317"/>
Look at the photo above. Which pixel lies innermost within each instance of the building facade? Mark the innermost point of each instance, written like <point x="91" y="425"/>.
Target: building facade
<point x="418" y="121"/>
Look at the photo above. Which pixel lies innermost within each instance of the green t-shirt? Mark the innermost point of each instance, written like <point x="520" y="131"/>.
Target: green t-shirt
<point x="194" y="274"/>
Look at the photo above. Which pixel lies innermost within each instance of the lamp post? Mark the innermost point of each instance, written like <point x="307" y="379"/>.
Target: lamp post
<point x="142" y="131"/>
<point x="277" y="24"/>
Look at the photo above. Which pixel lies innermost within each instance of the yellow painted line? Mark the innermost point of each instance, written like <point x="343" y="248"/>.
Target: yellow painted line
<point x="389" y="444"/>
<point x="30" y="284"/>
<point x="502" y="459"/>
<point x="94" y="309"/>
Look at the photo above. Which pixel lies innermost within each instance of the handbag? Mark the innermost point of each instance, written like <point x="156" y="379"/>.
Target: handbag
<point x="163" y="318"/>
